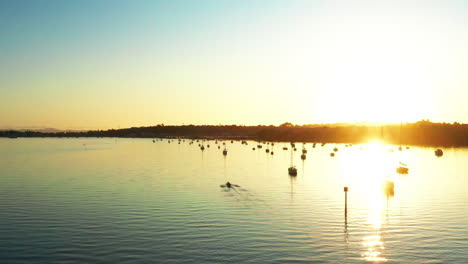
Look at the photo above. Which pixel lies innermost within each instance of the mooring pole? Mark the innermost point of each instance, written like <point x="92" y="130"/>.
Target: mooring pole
<point x="346" y="201"/>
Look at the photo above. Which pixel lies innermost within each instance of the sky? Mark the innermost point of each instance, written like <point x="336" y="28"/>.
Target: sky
<point x="109" y="64"/>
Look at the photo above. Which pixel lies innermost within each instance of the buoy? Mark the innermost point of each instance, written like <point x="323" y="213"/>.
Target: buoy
<point x="345" y="189"/>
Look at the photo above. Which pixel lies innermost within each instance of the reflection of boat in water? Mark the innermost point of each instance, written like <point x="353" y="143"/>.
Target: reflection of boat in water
<point x="439" y="152"/>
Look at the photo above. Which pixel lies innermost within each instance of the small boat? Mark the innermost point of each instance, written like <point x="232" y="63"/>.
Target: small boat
<point x="267" y="150"/>
<point x="335" y="149"/>
<point x="259" y="146"/>
<point x="202" y="147"/>
<point x="285" y="148"/>
<point x="228" y="185"/>
<point x="332" y="154"/>
<point x="402" y="170"/>
<point x="303" y="156"/>
<point x="292" y="171"/>
<point x="439" y="152"/>
<point x="304" y="151"/>
<point x="225" y="152"/>
<point x="272" y="153"/>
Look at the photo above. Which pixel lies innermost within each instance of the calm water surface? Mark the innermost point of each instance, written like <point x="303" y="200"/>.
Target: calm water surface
<point x="135" y="201"/>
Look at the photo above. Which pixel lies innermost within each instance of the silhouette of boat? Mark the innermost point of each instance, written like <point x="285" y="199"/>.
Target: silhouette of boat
<point x="402" y="170"/>
<point x="292" y="171"/>
<point x="303" y="156"/>
<point x="439" y="152"/>
<point x="225" y="152"/>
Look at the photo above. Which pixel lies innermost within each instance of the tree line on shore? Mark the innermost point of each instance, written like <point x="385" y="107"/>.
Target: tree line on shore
<point x="424" y="133"/>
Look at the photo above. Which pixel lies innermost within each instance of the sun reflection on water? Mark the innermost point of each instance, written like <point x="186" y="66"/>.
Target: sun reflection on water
<point x="372" y="168"/>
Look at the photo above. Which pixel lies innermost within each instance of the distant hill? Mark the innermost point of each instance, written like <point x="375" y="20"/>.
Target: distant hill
<point x="41" y="129"/>
<point x="419" y="133"/>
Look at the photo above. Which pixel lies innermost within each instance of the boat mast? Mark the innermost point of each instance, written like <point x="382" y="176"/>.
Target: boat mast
<point x="291" y="156"/>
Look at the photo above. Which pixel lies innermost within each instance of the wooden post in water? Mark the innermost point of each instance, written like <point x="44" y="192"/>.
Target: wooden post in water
<point x="346" y="201"/>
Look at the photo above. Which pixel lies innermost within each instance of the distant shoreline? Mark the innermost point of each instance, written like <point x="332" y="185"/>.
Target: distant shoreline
<point x="422" y="133"/>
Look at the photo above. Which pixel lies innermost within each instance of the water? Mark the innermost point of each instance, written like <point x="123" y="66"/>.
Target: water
<point x="134" y="201"/>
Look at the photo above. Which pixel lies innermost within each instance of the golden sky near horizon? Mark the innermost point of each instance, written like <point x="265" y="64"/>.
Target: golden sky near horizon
<point x="136" y="63"/>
